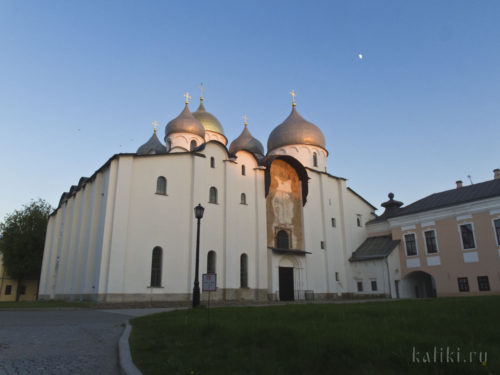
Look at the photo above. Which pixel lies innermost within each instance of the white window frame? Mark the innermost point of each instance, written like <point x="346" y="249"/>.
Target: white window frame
<point x="473" y="234"/>
<point x="497" y="240"/>
<point x="416" y="244"/>
<point x="425" y="241"/>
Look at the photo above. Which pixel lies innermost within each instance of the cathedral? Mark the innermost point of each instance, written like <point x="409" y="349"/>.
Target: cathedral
<point x="276" y="226"/>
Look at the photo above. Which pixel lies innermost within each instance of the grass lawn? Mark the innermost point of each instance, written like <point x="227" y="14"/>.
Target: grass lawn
<point x="40" y="304"/>
<point x="354" y="338"/>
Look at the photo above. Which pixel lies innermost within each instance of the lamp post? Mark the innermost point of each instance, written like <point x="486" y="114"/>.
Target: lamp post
<point x="198" y="213"/>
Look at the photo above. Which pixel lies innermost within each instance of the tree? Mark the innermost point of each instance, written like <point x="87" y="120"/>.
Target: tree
<point x="22" y="241"/>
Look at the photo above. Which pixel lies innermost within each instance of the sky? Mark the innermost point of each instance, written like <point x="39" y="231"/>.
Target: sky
<point x="83" y="80"/>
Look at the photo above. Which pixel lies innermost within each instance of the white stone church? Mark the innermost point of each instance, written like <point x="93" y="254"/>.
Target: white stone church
<point x="276" y="225"/>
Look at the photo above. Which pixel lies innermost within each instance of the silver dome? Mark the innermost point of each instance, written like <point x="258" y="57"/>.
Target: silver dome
<point x="185" y="123"/>
<point x="152" y="146"/>
<point x="247" y="142"/>
<point x="295" y="130"/>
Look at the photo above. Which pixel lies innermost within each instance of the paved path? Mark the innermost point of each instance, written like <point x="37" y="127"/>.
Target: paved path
<point x="61" y="342"/>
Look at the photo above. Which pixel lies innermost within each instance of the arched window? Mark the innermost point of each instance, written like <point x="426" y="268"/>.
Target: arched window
<point x="211" y="258"/>
<point x="315" y="159"/>
<point x="212" y="198"/>
<point x="192" y="145"/>
<point x="282" y="240"/>
<point x="243" y="171"/>
<point x="212" y="162"/>
<point x="244" y="271"/>
<point x="161" y="185"/>
<point x="243" y="198"/>
<point x="156" y="266"/>
<point x="169" y="144"/>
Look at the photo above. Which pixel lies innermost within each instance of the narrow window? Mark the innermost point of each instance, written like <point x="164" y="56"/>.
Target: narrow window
<point x="8" y="289"/>
<point x="322" y="244"/>
<point x="337" y="276"/>
<point x="360" y="286"/>
<point x="22" y="289"/>
<point x="192" y="145"/>
<point x="484" y="283"/>
<point x="463" y="284"/>
<point x="169" y="144"/>
<point x="358" y="221"/>
<point x="411" y="245"/>
<point x="243" y="172"/>
<point x="244" y="271"/>
<point x="334" y="222"/>
<point x="243" y="198"/>
<point x="315" y="159"/>
<point x="156" y="263"/>
<point x="212" y="198"/>
<point x="497" y="229"/>
<point x="211" y="258"/>
<point x="161" y="185"/>
<point x="212" y="162"/>
<point x="467" y="236"/>
<point x="374" y="285"/>
<point x="282" y="240"/>
<point x="430" y="241"/>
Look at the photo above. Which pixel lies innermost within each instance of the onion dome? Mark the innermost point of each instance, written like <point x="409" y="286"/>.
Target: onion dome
<point x="295" y="131"/>
<point x="185" y="123"/>
<point x="152" y="146"/>
<point x="247" y="142"/>
<point x="208" y="120"/>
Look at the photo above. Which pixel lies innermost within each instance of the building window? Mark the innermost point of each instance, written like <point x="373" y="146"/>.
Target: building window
<point x="374" y="285"/>
<point x="484" y="283"/>
<point x="463" y="284"/>
<point x="212" y="198"/>
<point x="496" y="223"/>
<point x="358" y="220"/>
<point x="322" y="244"/>
<point x="212" y="162"/>
<point x="192" y="145"/>
<point x="430" y="241"/>
<point x="244" y="271"/>
<point x="156" y="264"/>
<point x="337" y="276"/>
<point x="334" y="222"/>
<point x="211" y="258"/>
<point x="161" y="185"/>
<point x="169" y="144"/>
<point x="360" y="286"/>
<point x="467" y="233"/>
<point x="8" y="290"/>
<point x="282" y="240"/>
<point x="22" y="290"/>
<point x="411" y="245"/>
<point x="315" y="159"/>
<point x="243" y="198"/>
<point x="243" y="170"/>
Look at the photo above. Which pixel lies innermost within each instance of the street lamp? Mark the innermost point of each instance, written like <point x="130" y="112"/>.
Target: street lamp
<point x="198" y="213"/>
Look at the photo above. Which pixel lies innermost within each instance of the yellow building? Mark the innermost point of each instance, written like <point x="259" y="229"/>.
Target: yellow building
<point x="8" y="287"/>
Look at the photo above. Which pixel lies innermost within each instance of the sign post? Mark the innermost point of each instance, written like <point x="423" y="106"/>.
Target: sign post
<point x="209" y="284"/>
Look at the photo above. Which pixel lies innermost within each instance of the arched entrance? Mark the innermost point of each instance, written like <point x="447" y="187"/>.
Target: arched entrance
<point x="418" y="284"/>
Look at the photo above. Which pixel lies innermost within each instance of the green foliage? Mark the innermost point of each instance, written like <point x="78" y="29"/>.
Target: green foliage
<point x="22" y="240"/>
<point x="348" y="338"/>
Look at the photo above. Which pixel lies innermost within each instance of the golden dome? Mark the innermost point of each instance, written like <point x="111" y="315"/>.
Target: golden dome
<point x="295" y="131"/>
<point x="185" y="123"/>
<point x="208" y="120"/>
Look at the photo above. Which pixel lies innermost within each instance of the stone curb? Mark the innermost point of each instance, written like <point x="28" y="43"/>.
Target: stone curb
<point x="127" y="366"/>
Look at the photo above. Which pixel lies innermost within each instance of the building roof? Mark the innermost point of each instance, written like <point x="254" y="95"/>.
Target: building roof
<point x="374" y="248"/>
<point x="152" y="146"/>
<point x="247" y="142"/>
<point x="209" y="121"/>
<point x="470" y="193"/>
<point x="185" y="123"/>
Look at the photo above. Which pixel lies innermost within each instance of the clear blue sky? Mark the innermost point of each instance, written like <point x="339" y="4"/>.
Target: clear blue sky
<point x="83" y="80"/>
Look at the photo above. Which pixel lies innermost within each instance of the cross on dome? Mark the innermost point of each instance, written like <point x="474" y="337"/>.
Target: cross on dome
<point x="201" y="89"/>
<point x="155" y="125"/>
<point x="245" y="119"/>
<point x="187" y="96"/>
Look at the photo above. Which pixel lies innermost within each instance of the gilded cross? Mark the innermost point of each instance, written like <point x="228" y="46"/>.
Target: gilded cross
<point x="293" y="97"/>
<point x="245" y="118"/>
<point x="187" y="96"/>
<point x="155" y="124"/>
<point x="201" y="89"/>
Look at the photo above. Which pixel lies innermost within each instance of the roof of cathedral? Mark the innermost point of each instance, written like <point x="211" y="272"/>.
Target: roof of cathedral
<point x="374" y="248"/>
<point x="152" y="146"/>
<point x="185" y="123"/>
<point x="295" y="130"/>
<point x="208" y="120"/>
<point x="247" y="142"/>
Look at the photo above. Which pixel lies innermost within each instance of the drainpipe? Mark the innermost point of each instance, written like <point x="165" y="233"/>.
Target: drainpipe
<point x="388" y="276"/>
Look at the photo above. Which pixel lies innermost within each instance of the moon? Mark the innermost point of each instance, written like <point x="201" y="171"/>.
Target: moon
<point x="360" y="56"/>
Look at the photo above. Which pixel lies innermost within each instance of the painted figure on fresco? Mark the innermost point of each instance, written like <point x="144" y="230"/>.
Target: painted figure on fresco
<point x="282" y="201"/>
